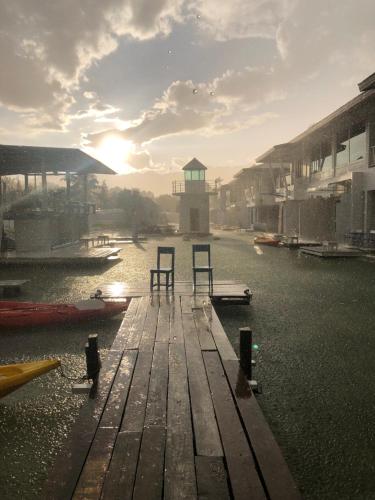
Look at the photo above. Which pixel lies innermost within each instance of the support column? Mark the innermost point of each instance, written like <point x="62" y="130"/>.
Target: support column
<point x="26" y="183"/>
<point x="44" y="190"/>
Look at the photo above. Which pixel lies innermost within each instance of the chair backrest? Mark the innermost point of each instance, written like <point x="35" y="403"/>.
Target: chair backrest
<point x="168" y="251"/>
<point x="202" y="248"/>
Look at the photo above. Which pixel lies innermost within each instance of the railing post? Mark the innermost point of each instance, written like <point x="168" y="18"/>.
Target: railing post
<point x="93" y="363"/>
<point x="246" y="341"/>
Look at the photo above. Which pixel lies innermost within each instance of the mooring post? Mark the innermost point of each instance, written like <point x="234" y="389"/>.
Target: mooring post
<point x="93" y="363"/>
<point x="246" y="341"/>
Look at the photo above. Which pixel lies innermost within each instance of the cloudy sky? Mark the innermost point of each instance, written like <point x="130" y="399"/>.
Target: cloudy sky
<point x="145" y="85"/>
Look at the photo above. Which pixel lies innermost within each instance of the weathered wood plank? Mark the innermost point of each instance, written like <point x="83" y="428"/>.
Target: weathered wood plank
<point x="222" y="342"/>
<point x="64" y="477"/>
<point x="180" y="482"/>
<point x="119" y="479"/>
<point x="202" y="319"/>
<point x="207" y="439"/>
<point x="135" y="410"/>
<point x="156" y="408"/>
<point x="212" y="480"/>
<point x="242" y="471"/>
<point x="135" y="331"/>
<point x="186" y="306"/>
<point x="149" y="478"/>
<point x="177" y="334"/>
<point x="274" y="470"/>
<point x="92" y="476"/>
<point x="163" y="328"/>
<point x="119" y="342"/>
<point x="149" y="329"/>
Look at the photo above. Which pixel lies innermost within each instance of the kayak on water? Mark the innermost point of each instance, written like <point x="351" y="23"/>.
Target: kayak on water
<point x="18" y="314"/>
<point x="14" y="376"/>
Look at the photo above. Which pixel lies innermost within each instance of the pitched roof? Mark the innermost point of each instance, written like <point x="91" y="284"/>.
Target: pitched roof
<point x="194" y="164"/>
<point x="15" y="160"/>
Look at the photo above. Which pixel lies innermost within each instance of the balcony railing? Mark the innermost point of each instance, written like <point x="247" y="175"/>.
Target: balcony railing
<point x="182" y="187"/>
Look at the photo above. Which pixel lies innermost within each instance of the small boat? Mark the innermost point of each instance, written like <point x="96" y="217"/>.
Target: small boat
<point x="12" y="377"/>
<point x="15" y="314"/>
<point x="266" y="240"/>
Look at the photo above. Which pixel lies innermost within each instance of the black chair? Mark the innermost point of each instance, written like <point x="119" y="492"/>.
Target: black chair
<point x="202" y="269"/>
<point x="168" y="271"/>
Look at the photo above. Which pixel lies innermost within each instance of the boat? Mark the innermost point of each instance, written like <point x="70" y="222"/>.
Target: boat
<point x="14" y="314"/>
<point x="266" y="240"/>
<point x="14" y="376"/>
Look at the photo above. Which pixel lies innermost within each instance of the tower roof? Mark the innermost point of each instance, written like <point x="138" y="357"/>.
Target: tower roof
<point x="194" y="164"/>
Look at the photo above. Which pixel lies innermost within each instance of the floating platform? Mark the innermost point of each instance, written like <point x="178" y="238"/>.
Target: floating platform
<point x="11" y="288"/>
<point x="296" y="246"/>
<point x="330" y="253"/>
<point x="62" y="256"/>
<point x="225" y="292"/>
<point x="173" y="417"/>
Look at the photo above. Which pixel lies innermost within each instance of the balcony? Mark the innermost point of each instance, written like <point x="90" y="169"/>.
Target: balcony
<point x="183" y="187"/>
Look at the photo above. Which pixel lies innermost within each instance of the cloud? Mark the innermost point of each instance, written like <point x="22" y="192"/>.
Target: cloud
<point x="47" y="46"/>
<point x="238" y="18"/>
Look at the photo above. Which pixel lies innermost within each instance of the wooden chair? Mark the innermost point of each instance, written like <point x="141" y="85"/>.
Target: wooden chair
<point x="202" y="269"/>
<point x="168" y="271"/>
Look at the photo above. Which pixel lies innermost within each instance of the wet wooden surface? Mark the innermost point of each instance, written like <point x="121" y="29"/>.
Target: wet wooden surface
<point x="67" y="255"/>
<point x="173" y="418"/>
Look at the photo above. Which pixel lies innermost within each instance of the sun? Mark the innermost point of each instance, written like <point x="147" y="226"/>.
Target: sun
<point x="115" y="152"/>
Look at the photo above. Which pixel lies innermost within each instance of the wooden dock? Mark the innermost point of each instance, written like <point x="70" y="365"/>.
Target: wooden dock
<point x="71" y="255"/>
<point x="326" y="252"/>
<point x="225" y="292"/>
<point x="173" y="416"/>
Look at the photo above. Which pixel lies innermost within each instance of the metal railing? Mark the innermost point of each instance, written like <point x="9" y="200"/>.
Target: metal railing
<point x="181" y="187"/>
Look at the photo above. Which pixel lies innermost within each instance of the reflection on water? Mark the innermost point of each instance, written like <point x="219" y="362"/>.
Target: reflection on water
<point x="312" y="319"/>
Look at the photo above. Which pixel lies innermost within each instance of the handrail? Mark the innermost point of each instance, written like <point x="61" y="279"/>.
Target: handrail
<point x="180" y="187"/>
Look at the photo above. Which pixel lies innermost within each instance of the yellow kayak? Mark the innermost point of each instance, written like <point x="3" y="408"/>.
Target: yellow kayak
<point x="14" y="376"/>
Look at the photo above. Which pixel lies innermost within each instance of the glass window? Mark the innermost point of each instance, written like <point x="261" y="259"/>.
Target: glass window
<point x="315" y="159"/>
<point x="342" y="151"/>
<point x="202" y="176"/>
<point x="326" y="157"/>
<point x="187" y="175"/>
<point x="357" y="146"/>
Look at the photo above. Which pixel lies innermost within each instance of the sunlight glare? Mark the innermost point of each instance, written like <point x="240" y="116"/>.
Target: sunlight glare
<point x="115" y="152"/>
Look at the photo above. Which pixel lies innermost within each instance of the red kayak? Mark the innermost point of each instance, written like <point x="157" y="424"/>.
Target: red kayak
<point x="263" y="240"/>
<point x="18" y="314"/>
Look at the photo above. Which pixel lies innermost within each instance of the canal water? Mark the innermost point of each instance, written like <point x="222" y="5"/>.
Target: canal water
<point x="312" y="319"/>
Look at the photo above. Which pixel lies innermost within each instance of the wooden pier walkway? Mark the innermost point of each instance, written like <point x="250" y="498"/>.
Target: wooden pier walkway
<point x="62" y="256"/>
<point x="173" y="416"/>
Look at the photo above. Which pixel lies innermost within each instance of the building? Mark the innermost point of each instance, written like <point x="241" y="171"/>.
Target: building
<point x="331" y="190"/>
<point x="46" y="218"/>
<point x="251" y="199"/>
<point x="194" y="193"/>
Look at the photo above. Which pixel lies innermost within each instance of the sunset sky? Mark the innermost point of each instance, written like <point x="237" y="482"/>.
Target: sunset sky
<point x="145" y="85"/>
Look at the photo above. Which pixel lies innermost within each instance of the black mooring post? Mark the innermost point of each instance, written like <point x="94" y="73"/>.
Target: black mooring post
<point x="246" y="341"/>
<point x="93" y="363"/>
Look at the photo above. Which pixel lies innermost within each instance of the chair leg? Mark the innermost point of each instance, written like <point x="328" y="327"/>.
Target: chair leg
<point x="172" y="280"/>
<point x="151" y="281"/>
<point x="158" y="281"/>
<point x="194" y="280"/>
<point x="167" y="281"/>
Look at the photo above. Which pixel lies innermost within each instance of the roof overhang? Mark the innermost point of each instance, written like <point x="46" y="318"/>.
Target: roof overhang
<point x="22" y="160"/>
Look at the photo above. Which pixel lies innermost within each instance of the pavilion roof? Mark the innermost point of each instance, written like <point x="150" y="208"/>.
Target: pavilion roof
<point x="194" y="164"/>
<point x="15" y="160"/>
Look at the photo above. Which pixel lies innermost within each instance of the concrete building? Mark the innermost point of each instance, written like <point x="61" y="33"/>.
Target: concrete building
<point x="331" y="191"/>
<point x="250" y="200"/>
<point x="194" y="192"/>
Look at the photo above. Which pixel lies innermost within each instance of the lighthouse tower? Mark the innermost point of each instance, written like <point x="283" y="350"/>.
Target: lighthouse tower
<point x="194" y="193"/>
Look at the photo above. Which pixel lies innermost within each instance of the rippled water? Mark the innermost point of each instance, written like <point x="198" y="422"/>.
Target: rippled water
<point x="313" y="320"/>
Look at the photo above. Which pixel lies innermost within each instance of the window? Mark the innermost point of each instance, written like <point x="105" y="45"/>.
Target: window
<point x="187" y="175"/>
<point x="315" y="159"/>
<point x="194" y="175"/>
<point x="342" y="149"/>
<point x="357" y="143"/>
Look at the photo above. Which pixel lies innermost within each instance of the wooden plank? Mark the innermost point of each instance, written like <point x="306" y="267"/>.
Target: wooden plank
<point x="186" y="304"/>
<point x="163" y="328"/>
<point x="120" y="339"/>
<point x="149" y="478"/>
<point x="202" y="319"/>
<point x="177" y="334"/>
<point x="64" y="477"/>
<point x="212" y="481"/>
<point x="92" y="476"/>
<point x="243" y="475"/>
<point x="274" y="470"/>
<point x="156" y="408"/>
<point x="222" y="342"/>
<point x="135" y="331"/>
<point x="135" y="410"/>
<point x="149" y="329"/>
<point x="119" y="480"/>
<point x="180" y="482"/>
<point x="207" y="439"/>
